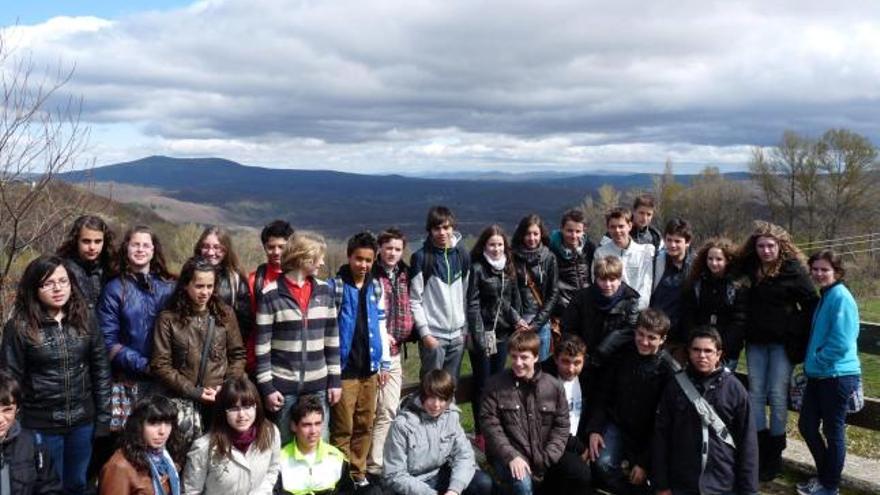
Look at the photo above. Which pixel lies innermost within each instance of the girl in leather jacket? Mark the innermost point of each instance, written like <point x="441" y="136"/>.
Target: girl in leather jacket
<point x="215" y="247"/>
<point x="181" y="362"/>
<point x="51" y="346"/>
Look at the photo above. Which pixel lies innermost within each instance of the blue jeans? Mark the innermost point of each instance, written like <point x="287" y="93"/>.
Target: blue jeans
<point x="70" y="453"/>
<point x="545" y="335"/>
<point x="483" y="367"/>
<point x="769" y="375"/>
<point x="825" y="402"/>
<point x="517" y="487"/>
<point x="481" y="483"/>
<point x="608" y="464"/>
<point x="282" y="417"/>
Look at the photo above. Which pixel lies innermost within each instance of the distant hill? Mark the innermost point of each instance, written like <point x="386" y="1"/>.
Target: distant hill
<point x="338" y="203"/>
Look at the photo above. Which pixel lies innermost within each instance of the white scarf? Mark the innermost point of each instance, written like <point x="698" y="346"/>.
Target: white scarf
<point x="498" y="264"/>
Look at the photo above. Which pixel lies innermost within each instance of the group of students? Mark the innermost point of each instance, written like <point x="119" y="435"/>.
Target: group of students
<point x="282" y="382"/>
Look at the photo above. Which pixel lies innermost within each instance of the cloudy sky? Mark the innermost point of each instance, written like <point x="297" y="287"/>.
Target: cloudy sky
<point x="441" y="85"/>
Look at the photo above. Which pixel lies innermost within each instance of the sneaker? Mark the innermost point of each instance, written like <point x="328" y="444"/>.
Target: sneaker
<point x="808" y="487"/>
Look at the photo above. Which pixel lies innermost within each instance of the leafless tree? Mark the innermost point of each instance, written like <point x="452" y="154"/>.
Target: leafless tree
<point x="41" y="136"/>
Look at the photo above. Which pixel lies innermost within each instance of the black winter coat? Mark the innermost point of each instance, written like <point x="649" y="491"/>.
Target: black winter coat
<point x="719" y="302"/>
<point x="627" y="395"/>
<point x="30" y="467"/>
<point x="605" y="332"/>
<point x="89" y="277"/>
<point x="543" y="272"/>
<point x="575" y="271"/>
<point x="678" y="439"/>
<point x="492" y="293"/>
<point x="239" y="299"/>
<point x="781" y="309"/>
<point x="65" y="379"/>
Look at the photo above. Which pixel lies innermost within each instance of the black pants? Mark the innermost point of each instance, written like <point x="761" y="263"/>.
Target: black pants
<point x="569" y="475"/>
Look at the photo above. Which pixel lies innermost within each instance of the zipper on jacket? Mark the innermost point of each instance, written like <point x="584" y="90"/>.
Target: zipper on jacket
<point x="448" y="286"/>
<point x="64" y="359"/>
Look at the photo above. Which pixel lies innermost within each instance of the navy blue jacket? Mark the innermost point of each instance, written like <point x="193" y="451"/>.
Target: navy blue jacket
<point x="126" y="312"/>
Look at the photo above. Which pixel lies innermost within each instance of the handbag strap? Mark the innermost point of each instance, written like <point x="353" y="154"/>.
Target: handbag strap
<point x="533" y="287"/>
<point x="209" y="339"/>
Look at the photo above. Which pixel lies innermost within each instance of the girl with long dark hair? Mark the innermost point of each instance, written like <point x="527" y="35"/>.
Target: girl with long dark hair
<point x="196" y="344"/>
<point x="129" y="305"/>
<point x="493" y="307"/>
<point x="88" y="250"/>
<point x="51" y="346"/>
<point x="150" y="449"/>
<point x="715" y="296"/>
<point x="215" y="247"/>
<point x="241" y="453"/>
<point x="537" y="276"/>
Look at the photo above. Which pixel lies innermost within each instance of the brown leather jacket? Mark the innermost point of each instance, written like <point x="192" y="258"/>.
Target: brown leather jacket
<point x="119" y="477"/>
<point x="177" y="352"/>
<point x="525" y="418"/>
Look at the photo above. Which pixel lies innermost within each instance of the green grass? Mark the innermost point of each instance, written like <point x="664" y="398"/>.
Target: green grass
<point x="869" y="309"/>
<point x="411" y="375"/>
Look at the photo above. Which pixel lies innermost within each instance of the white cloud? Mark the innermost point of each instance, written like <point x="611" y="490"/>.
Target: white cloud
<point x="390" y="85"/>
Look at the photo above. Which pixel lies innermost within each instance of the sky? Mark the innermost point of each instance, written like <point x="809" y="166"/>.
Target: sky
<point x="417" y="86"/>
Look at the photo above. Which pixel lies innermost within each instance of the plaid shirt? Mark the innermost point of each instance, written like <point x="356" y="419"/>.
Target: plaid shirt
<point x="398" y="313"/>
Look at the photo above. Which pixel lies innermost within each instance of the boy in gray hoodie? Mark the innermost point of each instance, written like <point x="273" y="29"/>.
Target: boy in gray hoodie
<point x="426" y="451"/>
<point x="438" y="294"/>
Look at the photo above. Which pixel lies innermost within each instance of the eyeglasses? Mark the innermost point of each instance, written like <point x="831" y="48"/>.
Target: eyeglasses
<point x="238" y="409"/>
<point x="217" y="248"/>
<point x="55" y="284"/>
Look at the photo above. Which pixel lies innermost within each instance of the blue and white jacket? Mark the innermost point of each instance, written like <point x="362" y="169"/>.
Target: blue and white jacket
<point x="347" y="301"/>
<point x="438" y="297"/>
<point x="832" y="350"/>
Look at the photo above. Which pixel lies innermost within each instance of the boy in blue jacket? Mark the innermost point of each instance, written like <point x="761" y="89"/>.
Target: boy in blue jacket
<point x="363" y="353"/>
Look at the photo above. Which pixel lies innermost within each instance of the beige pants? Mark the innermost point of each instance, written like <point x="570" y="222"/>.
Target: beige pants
<point x="351" y="421"/>
<point x="386" y="410"/>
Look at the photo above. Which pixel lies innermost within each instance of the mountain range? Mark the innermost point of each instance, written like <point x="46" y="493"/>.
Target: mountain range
<point x="338" y="203"/>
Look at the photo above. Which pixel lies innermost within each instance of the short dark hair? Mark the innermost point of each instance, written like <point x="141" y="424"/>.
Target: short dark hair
<point x="276" y="228"/>
<point x="437" y="383"/>
<point x="575" y="215"/>
<point x="644" y="199"/>
<point x="834" y="259"/>
<point x="654" y="321"/>
<point x="362" y="240"/>
<point x="438" y="215"/>
<point x="524" y="342"/>
<point x="306" y="405"/>
<point x="679" y="227"/>
<point x="619" y="212"/>
<point x="571" y="345"/>
<point x="391" y="234"/>
<point x="706" y="332"/>
<point x="10" y="390"/>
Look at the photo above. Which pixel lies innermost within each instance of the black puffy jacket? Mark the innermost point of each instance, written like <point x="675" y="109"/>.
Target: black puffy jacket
<point x="605" y="332"/>
<point x="492" y="292"/>
<point x="30" y="467"/>
<point x="541" y="269"/>
<point x="627" y="395"/>
<point x="719" y="302"/>
<point x="65" y="378"/>
<point x="90" y="279"/>
<point x="575" y="269"/>
<point x="781" y="309"/>
<point x="239" y="299"/>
